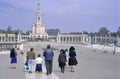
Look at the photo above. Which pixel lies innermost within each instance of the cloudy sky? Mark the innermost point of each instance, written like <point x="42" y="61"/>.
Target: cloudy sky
<point x="67" y="15"/>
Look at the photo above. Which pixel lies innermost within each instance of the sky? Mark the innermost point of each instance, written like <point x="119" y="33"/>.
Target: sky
<point x="66" y="15"/>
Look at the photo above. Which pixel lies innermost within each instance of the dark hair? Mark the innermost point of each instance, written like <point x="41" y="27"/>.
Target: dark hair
<point x="71" y="48"/>
<point x="39" y="55"/>
<point x="48" y="46"/>
<point x="31" y="49"/>
<point x="62" y="51"/>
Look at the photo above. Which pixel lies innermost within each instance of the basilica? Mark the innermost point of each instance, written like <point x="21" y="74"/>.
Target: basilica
<point x="40" y="33"/>
<point x="38" y="29"/>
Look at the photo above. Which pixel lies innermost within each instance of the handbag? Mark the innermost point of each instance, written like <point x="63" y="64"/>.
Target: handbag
<point x="15" y="53"/>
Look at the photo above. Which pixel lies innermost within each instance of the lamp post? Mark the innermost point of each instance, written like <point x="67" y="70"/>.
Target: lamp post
<point x="16" y="40"/>
<point x="114" y="41"/>
<point x="6" y="40"/>
<point x="91" y="35"/>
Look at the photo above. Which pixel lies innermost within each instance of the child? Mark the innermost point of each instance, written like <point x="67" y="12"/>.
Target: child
<point x="38" y="62"/>
<point x="67" y="57"/>
<point x="62" y="60"/>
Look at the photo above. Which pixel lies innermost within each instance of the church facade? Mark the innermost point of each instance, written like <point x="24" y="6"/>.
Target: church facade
<point x="39" y="33"/>
<point x="38" y="28"/>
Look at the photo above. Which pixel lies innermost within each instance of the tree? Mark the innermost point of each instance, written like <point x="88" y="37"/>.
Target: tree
<point x="9" y="29"/>
<point x="2" y="31"/>
<point x="103" y="31"/>
<point x="21" y="32"/>
<point x="114" y="41"/>
<point x="85" y="32"/>
<point x="118" y="31"/>
<point x="16" y="31"/>
<point x="113" y="34"/>
<point x="28" y="32"/>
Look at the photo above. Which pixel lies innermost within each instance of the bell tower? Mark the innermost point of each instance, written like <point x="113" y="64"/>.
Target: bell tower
<point x="38" y="16"/>
<point x="38" y="28"/>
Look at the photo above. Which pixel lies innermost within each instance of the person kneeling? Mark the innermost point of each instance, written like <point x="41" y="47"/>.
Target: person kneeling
<point x="38" y="62"/>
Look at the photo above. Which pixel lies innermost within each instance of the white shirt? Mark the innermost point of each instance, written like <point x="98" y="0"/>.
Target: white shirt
<point x="38" y="60"/>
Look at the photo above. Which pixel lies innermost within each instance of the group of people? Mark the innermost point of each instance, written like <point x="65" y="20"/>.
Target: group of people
<point x="65" y="59"/>
<point x="48" y="55"/>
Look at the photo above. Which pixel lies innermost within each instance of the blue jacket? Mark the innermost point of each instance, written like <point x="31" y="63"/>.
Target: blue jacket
<point x="48" y="54"/>
<point x="12" y="53"/>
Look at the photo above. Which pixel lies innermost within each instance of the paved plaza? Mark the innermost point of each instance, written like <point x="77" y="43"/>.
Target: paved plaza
<point x="93" y="63"/>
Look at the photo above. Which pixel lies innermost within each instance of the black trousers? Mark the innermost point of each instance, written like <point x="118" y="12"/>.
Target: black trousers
<point x="62" y="66"/>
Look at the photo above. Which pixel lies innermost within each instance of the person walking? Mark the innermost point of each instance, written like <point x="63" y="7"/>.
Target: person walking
<point x="48" y="54"/>
<point x="67" y="57"/>
<point x="13" y="56"/>
<point x="26" y="59"/>
<point x="72" y="59"/>
<point x="30" y="58"/>
<point x="62" y="60"/>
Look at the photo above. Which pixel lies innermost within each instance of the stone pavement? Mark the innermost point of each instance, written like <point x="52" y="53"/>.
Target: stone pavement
<point x="40" y="76"/>
<point x="92" y="64"/>
<point x="6" y="72"/>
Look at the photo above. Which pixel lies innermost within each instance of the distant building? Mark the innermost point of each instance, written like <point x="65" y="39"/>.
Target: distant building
<point x="78" y="38"/>
<point x="8" y="41"/>
<point x="38" y="29"/>
<point x="40" y="33"/>
<point x="52" y="34"/>
<point x="102" y="39"/>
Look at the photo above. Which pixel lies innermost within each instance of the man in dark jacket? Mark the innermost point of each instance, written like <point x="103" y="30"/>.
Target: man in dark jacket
<point x="48" y="54"/>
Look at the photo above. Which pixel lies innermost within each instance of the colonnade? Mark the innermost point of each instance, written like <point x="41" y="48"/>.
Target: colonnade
<point x="73" y="38"/>
<point x="8" y="41"/>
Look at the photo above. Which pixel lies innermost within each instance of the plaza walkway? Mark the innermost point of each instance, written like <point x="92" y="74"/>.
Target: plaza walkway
<point x="6" y="72"/>
<point x="93" y="63"/>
